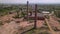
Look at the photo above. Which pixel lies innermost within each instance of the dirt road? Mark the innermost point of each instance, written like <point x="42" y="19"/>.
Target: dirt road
<point x="52" y="31"/>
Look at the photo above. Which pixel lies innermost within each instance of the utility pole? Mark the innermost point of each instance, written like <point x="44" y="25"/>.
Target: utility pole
<point x="27" y="10"/>
<point x="35" y="16"/>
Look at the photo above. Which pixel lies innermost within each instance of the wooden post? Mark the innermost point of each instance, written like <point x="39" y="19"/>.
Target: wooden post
<point x="35" y="16"/>
<point x="27" y="9"/>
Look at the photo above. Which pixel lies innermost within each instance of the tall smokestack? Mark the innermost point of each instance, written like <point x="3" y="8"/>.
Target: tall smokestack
<point x="35" y="16"/>
<point x="27" y="9"/>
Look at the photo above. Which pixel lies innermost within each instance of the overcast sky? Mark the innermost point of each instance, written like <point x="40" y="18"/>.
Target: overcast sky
<point x="31" y="1"/>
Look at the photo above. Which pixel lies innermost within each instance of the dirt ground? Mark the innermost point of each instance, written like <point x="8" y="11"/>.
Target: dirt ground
<point x="54" y="23"/>
<point x="12" y="27"/>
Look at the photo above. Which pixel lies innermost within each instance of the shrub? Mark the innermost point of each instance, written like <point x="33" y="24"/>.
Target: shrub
<point x="16" y="16"/>
<point x="56" y="29"/>
<point x="1" y="23"/>
<point x="8" y="21"/>
<point x="44" y="32"/>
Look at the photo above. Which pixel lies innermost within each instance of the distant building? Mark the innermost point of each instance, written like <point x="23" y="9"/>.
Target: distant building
<point x="45" y="12"/>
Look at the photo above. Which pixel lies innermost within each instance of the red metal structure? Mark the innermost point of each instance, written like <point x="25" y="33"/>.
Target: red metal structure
<point x="32" y="14"/>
